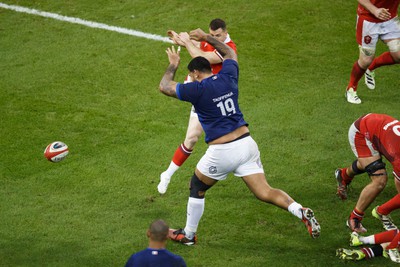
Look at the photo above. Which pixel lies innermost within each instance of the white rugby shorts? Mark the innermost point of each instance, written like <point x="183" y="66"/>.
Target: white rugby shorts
<point x="241" y="157"/>
<point x="368" y="33"/>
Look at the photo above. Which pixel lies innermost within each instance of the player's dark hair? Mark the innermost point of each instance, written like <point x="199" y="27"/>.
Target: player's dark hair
<point x="200" y="64"/>
<point x="216" y="24"/>
<point x="159" y="230"/>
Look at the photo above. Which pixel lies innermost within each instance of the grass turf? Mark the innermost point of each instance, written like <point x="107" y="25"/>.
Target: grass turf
<point x="98" y="92"/>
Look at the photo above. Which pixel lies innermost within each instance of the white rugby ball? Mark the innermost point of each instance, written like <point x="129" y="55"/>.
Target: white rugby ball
<point x="56" y="151"/>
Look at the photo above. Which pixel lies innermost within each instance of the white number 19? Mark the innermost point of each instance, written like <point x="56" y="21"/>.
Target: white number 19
<point x="227" y="107"/>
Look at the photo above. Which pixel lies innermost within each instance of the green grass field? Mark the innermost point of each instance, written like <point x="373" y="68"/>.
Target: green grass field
<point x="97" y="91"/>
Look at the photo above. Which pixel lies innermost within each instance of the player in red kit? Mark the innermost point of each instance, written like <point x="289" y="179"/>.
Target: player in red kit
<point x="217" y="29"/>
<point x="376" y="19"/>
<point x="383" y="244"/>
<point x="371" y="137"/>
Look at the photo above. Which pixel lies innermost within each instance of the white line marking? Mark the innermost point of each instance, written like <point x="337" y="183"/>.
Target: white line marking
<point x="86" y="23"/>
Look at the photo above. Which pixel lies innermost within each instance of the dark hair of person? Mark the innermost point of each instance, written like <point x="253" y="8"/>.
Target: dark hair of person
<point x="159" y="230"/>
<point x="216" y="24"/>
<point x="200" y="64"/>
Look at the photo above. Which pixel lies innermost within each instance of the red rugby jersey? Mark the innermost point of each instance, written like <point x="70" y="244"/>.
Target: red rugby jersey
<point x="392" y="5"/>
<point x="206" y="47"/>
<point x="384" y="133"/>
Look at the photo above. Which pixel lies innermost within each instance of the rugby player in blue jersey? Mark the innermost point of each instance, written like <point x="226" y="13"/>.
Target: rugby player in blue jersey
<point x="231" y="148"/>
<point x="156" y="253"/>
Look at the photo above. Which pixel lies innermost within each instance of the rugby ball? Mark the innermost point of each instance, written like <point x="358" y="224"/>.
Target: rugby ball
<point x="56" y="151"/>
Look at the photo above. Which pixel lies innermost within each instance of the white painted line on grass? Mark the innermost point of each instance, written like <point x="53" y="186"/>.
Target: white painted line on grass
<point x="87" y="23"/>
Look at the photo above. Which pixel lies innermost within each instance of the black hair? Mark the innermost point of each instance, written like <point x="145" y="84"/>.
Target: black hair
<point x="200" y="64"/>
<point x="216" y="24"/>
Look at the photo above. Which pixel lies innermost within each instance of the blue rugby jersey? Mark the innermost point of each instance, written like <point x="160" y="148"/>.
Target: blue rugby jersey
<point x="216" y="101"/>
<point x="155" y="258"/>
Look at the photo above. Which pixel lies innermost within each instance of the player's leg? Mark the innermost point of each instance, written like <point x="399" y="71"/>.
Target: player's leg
<point x="392" y="249"/>
<point x="344" y="176"/>
<point x="183" y="151"/>
<point x="199" y="184"/>
<point x="259" y="186"/>
<point x="367" y="37"/>
<point x="366" y="56"/>
<point x="391" y="38"/>
<point x="385" y="59"/>
<point x="193" y="133"/>
<point x="379" y="238"/>
<point x="360" y="254"/>
<point x="389" y="241"/>
<point x="383" y="211"/>
<point x="251" y="170"/>
<point x="377" y="172"/>
<point x="212" y="167"/>
<point x="264" y="192"/>
<point x="394" y="49"/>
<point x="252" y="173"/>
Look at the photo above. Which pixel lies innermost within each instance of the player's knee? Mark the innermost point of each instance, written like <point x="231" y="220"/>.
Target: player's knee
<point x="197" y="187"/>
<point x="355" y="168"/>
<point x="376" y="168"/>
<point x="394" y="47"/>
<point x="368" y="52"/>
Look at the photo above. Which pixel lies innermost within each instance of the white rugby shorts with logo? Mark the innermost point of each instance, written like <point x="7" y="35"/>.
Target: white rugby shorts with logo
<point x="368" y="33"/>
<point x="240" y="157"/>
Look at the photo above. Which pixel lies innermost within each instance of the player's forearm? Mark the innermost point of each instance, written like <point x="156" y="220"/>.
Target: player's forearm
<point x="167" y="83"/>
<point x="368" y="5"/>
<point x="224" y="50"/>
<point x="197" y="52"/>
<point x="193" y="50"/>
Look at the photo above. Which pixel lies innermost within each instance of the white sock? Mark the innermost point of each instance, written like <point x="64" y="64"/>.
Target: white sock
<point x="367" y="239"/>
<point x="295" y="209"/>
<point x="195" y="209"/>
<point x="171" y="169"/>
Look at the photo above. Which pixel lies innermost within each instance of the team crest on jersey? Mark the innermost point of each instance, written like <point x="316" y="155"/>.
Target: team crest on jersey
<point x="367" y="39"/>
<point x="212" y="170"/>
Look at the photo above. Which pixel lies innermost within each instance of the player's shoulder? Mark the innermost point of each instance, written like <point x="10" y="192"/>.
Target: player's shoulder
<point x="232" y="45"/>
<point x="229" y="61"/>
<point x="173" y="256"/>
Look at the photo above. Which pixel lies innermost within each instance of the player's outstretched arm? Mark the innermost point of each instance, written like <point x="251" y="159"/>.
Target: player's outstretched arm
<point x="225" y="51"/>
<point x="195" y="51"/>
<point x="167" y="83"/>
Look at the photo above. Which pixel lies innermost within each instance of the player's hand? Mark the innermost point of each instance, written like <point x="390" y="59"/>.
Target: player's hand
<point x="382" y="13"/>
<point x="184" y="36"/>
<point x="173" y="56"/>
<point x="174" y="37"/>
<point x="198" y="35"/>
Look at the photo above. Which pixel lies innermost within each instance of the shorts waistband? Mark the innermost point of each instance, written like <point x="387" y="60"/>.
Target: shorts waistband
<point x="240" y="137"/>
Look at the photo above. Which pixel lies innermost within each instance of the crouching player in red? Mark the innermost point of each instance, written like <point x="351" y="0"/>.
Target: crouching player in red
<point x="371" y="137"/>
